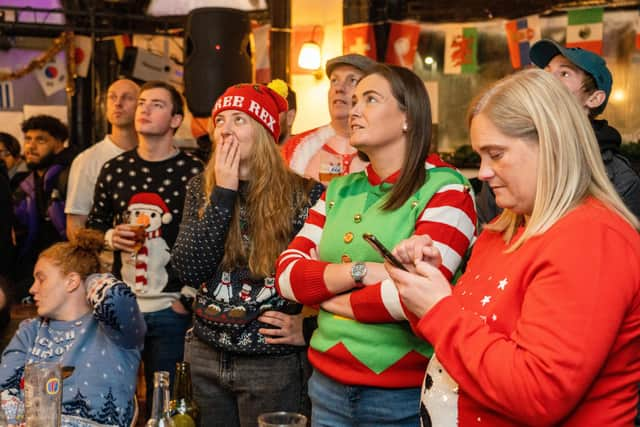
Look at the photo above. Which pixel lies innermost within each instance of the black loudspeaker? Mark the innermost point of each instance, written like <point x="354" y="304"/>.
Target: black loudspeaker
<point x="217" y="54"/>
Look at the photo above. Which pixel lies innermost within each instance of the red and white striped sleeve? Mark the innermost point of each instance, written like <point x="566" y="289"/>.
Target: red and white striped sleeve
<point x="450" y="220"/>
<point x="298" y="276"/>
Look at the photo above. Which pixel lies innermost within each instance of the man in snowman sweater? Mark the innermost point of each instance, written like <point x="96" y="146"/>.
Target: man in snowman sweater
<point x="148" y="184"/>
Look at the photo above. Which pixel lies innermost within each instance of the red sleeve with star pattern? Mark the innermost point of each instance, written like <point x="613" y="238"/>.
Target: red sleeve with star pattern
<point x="539" y="336"/>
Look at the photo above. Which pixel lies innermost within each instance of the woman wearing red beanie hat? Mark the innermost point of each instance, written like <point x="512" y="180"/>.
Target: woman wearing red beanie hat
<point x="246" y="348"/>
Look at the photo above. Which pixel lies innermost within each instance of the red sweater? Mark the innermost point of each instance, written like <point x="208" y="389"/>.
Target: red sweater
<point x="548" y="334"/>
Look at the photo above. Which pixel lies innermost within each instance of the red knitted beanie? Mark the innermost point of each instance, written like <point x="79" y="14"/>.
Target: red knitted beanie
<point x="258" y="101"/>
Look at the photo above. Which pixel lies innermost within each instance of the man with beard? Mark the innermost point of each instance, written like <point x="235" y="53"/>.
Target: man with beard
<point x="121" y="108"/>
<point x="38" y="202"/>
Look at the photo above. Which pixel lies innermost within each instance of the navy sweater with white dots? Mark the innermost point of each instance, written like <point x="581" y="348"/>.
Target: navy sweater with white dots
<point x="228" y="303"/>
<point x="124" y="182"/>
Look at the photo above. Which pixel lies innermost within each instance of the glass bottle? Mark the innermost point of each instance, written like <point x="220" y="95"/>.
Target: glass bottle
<point x="183" y="407"/>
<point x="160" y="409"/>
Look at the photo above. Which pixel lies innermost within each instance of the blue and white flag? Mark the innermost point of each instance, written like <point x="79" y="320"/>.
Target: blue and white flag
<point x="6" y="95"/>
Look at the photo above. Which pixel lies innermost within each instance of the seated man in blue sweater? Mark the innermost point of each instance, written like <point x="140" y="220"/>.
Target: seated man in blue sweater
<point x="88" y="322"/>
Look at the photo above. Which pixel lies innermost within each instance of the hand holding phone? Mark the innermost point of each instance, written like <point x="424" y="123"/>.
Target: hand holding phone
<point x="382" y="250"/>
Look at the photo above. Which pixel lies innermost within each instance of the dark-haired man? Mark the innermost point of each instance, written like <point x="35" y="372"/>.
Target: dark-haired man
<point x="38" y="202"/>
<point x="10" y="154"/>
<point x="149" y="184"/>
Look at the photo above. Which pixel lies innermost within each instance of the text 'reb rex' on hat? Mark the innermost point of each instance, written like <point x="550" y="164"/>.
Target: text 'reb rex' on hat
<point x="260" y="102"/>
<point x="361" y="62"/>
<point x="543" y="51"/>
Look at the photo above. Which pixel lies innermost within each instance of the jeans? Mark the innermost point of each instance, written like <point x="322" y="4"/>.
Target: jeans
<point x="231" y="390"/>
<point x="163" y="345"/>
<point x="336" y="405"/>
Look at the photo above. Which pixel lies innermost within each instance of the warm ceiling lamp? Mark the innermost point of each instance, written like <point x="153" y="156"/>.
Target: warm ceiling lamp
<point x="310" y="57"/>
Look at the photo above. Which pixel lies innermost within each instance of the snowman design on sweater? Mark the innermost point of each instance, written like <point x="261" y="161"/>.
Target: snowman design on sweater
<point x="147" y="270"/>
<point x="251" y="299"/>
<point x="439" y="400"/>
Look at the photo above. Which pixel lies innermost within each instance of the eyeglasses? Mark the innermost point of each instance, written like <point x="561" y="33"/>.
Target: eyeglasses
<point x="5" y="153"/>
<point x="40" y="140"/>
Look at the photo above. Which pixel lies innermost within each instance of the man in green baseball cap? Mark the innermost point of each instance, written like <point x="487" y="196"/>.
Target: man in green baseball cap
<point x="587" y="77"/>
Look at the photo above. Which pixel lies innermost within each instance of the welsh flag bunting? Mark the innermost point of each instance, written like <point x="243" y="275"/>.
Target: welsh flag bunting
<point x="461" y="50"/>
<point x="585" y="29"/>
<point x="359" y="38"/>
<point x="521" y="34"/>
<point x="403" y="42"/>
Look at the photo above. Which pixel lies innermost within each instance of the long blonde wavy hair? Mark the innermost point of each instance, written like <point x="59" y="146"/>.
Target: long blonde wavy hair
<point x="274" y="196"/>
<point x="533" y="105"/>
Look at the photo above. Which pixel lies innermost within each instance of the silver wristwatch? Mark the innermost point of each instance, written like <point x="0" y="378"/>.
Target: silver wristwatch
<point x="358" y="271"/>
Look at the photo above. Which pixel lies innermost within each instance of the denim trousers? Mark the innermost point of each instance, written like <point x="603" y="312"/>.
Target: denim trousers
<point x="337" y="405"/>
<point x="163" y="345"/>
<point x="231" y="390"/>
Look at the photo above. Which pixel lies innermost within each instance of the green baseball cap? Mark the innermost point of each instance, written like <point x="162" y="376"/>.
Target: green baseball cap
<point x="543" y="51"/>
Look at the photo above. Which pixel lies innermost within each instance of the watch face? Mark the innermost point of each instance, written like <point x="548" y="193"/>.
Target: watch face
<point x="358" y="271"/>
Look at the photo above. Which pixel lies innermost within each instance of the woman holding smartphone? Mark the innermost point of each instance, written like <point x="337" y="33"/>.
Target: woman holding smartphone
<point x="368" y="365"/>
<point x="542" y="328"/>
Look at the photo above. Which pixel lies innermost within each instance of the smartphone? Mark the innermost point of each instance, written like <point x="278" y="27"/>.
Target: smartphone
<point x="382" y="250"/>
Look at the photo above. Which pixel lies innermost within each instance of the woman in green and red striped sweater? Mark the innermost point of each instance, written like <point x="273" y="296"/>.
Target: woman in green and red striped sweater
<point x="368" y="364"/>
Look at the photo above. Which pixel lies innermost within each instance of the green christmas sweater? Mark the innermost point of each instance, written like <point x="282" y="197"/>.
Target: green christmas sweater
<point x="377" y="347"/>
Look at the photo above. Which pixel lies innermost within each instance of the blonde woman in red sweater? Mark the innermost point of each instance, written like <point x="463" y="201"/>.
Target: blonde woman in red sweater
<point x="543" y="328"/>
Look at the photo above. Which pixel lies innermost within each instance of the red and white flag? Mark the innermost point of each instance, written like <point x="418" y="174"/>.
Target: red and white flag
<point x="83" y="51"/>
<point x="638" y="31"/>
<point x="262" y="49"/>
<point x="359" y="38"/>
<point x="403" y="43"/>
<point x="585" y="29"/>
<point x="53" y="75"/>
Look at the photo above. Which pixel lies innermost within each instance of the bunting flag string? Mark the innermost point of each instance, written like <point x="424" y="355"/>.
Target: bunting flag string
<point x="262" y="62"/>
<point x="461" y="50"/>
<point x="359" y="38"/>
<point x="403" y="43"/>
<point x="585" y="29"/>
<point x="638" y="31"/>
<point x="521" y="34"/>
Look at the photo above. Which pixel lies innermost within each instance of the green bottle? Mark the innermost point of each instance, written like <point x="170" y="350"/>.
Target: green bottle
<point x="183" y="409"/>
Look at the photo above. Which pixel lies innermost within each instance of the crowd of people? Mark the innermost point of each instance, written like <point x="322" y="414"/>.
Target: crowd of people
<point x="520" y="306"/>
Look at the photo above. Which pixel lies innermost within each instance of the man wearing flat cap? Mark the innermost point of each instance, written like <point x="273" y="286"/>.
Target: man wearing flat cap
<point x="587" y="77"/>
<point x="324" y="152"/>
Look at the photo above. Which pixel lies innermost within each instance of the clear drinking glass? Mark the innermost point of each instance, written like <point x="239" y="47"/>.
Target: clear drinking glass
<point x="282" y="419"/>
<point x="42" y="394"/>
<point x="140" y="234"/>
